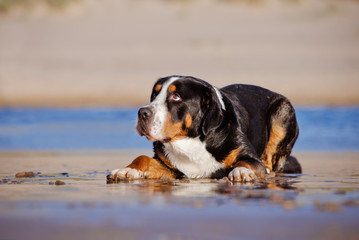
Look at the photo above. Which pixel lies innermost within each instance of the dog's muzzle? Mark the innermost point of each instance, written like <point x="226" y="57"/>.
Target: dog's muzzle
<point x="145" y="116"/>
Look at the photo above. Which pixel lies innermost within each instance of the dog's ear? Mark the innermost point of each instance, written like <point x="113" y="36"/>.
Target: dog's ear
<point x="215" y="110"/>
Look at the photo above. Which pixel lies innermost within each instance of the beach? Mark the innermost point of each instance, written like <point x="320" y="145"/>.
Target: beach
<point x="74" y="73"/>
<point x="320" y="204"/>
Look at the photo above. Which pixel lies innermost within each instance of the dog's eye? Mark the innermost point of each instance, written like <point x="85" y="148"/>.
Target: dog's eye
<point x="175" y="98"/>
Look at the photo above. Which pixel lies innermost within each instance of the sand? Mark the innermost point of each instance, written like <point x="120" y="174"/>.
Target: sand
<point x="321" y="203"/>
<point x="111" y="52"/>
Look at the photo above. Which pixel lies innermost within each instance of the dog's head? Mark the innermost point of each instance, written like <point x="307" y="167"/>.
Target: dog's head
<point x="180" y="107"/>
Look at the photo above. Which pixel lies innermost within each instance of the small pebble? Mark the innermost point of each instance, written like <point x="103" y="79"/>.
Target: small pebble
<point x="65" y="174"/>
<point x="5" y="180"/>
<point x="15" y="182"/>
<point x="25" y="174"/>
<point x="58" y="182"/>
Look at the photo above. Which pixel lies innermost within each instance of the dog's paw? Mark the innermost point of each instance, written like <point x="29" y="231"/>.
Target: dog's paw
<point x="242" y="174"/>
<point x="126" y="173"/>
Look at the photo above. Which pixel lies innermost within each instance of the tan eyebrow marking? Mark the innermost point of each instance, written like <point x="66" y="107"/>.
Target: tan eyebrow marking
<point x="158" y="87"/>
<point x="172" y="88"/>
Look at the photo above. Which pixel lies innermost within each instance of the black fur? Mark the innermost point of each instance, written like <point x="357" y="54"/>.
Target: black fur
<point x="245" y="123"/>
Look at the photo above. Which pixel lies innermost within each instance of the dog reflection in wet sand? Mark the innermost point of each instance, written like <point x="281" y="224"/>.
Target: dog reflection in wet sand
<point x="242" y="132"/>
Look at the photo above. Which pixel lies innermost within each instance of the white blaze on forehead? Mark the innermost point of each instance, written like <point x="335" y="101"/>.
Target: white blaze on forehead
<point x="220" y="97"/>
<point x="160" y="110"/>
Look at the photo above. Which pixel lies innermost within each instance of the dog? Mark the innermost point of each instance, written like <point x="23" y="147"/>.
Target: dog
<point x="242" y="132"/>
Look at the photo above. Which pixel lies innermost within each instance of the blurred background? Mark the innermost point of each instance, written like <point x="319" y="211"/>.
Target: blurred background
<point x="73" y="72"/>
<point x="110" y="52"/>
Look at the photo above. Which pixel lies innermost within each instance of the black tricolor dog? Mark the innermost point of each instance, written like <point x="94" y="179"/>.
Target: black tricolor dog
<point x="199" y="131"/>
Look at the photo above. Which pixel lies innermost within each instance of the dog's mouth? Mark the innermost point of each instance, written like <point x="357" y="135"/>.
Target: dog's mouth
<point x="144" y="130"/>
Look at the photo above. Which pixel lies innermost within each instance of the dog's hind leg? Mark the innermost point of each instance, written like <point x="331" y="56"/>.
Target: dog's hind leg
<point x="283" y="132"/>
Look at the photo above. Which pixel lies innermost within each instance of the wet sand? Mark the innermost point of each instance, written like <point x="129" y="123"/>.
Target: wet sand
<point x="321" y="203"/>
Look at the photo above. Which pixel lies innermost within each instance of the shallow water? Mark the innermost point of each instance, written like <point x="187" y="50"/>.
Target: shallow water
<point x="321" y="129"/>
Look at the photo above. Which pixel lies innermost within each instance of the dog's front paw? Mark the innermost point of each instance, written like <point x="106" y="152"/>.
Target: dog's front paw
<point x="125" y="173"/>
<point x="242" y="174"/>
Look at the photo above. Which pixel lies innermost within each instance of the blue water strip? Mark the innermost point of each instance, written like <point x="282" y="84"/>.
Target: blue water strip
<point x="321" y="129"/>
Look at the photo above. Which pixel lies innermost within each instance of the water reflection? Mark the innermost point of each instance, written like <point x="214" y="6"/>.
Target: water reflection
<point x="278" y="190"/>
<point x="288" y="191"/>
<point x="275" y="182"/>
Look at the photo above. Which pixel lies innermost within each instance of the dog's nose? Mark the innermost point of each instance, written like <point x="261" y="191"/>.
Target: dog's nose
<point x="144" y="113"/>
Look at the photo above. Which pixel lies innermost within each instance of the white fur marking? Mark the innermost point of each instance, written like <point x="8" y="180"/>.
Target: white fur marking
<point x="242" y="174"/>
<point x="160" y="113"/>
<point x="220" y="97"/>
<point x="191" y="157"/>
<point x="127" y="173"/>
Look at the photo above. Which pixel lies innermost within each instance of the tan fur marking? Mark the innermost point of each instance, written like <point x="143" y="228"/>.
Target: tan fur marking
<point x="172" y="88"/>
<point x="172" y="130"/>
<point x="207" y="102"/>
<point x="231" y="158"/>
<point x="164" y="159"/>
<point x="188" y="121"/>
<point x="151" y="167"/>
<point x="158" y="87"/>
<point x="276" y="136"/>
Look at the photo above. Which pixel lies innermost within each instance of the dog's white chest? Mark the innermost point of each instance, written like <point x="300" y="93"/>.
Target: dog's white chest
<point x="191" y="157"/>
